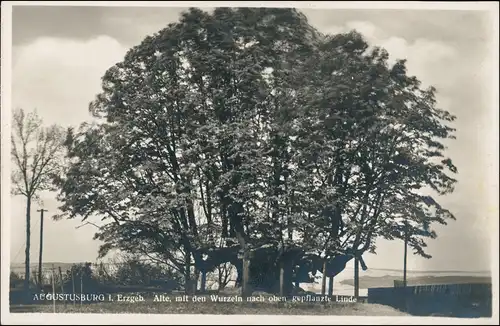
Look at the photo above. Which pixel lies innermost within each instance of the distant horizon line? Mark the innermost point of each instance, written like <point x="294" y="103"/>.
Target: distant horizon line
<point x="429" y="271"/>
<point x="379" y="269"/>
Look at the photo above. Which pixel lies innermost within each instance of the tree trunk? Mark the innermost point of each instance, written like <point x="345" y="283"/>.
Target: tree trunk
<point x="219" y="269"/>
<point x="245" y="288"/>
<point x="356" y="277"/>
<point x="323" y="278"/>
<point x="41" y="250"/>
<point x="239" y="276"/>
<point x="200" y="266"/>
<point x="187" y="272"/>
<point x="203" y="281"/>
<point x="405" y="253"/>
<point x="330" y="286"/>
<point x="27" y="252"/>
<point x="282" y="279"/>
<point x="194" y="282"/>
<point x="288" y="276"/>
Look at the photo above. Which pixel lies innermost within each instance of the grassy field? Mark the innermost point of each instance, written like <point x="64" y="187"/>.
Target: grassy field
<point x="239" y="308"/>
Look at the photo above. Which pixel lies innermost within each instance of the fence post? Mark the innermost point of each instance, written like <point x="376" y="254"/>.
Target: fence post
<point x="62" y="284"/>
<point x="53" y="290"/>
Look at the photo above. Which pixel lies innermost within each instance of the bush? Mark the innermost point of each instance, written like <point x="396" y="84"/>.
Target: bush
<point x="80" y="276"/>
<point x="16" y="280"/>
<point x="134" y="271"/>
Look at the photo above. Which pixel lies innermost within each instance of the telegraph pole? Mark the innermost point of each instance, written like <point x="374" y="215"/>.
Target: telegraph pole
<point x="405" y="294"/>
<point x="41" y="247"/>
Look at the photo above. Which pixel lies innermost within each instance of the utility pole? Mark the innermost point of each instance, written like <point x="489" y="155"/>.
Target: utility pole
<point x="41" y="247"/>
<point x="405" y="294"/>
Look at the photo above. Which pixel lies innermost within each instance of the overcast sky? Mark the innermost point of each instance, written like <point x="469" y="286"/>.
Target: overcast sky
<point x="60" y="54"/>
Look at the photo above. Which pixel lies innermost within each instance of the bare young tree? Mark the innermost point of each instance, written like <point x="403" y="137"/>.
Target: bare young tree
<point x="36" y="151"/>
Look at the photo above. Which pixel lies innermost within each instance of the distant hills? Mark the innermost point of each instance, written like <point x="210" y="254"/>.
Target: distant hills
<point x="19" y="267"/>
<point x="388" y="281"/>
<point x="433" y="272"/>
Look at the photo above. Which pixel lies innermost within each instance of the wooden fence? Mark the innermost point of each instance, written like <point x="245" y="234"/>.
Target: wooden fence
<point x="452" y="300"/>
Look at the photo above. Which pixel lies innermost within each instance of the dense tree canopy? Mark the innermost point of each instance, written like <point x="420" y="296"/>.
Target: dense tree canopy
<point x="247" y="130"/>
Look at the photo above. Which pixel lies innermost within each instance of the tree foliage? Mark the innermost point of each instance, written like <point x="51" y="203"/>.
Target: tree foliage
<point x="247" y="130"/>
<point x="36" y="153"/>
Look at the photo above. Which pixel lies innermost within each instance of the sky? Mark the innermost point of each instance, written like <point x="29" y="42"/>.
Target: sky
<point x="60" y="53"/>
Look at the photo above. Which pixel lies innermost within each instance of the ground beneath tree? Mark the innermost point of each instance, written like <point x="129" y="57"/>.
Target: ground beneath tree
<point x="354" y="309"/>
